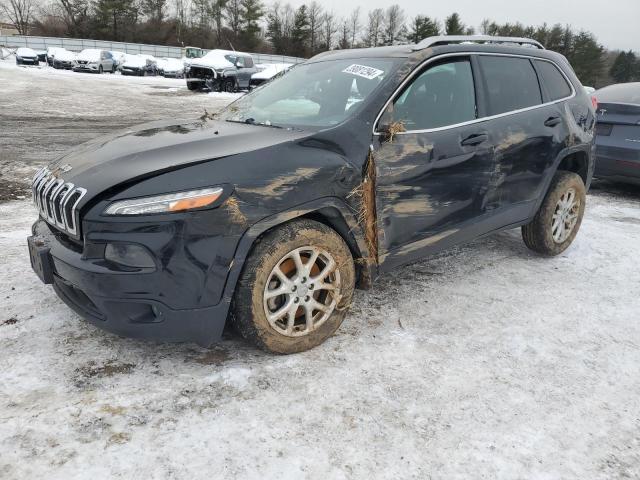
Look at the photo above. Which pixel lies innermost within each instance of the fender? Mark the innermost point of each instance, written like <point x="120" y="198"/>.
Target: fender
<point x="256" y="230"/>
<point x="556" y="164"/>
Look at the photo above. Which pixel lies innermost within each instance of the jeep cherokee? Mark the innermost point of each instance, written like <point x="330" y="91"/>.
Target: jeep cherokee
<point x="271" y="211"/>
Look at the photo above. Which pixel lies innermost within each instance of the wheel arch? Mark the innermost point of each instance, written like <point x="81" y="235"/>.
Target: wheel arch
<point x="330" y="211"/>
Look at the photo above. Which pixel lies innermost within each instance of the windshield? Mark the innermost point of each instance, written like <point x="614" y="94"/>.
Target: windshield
<point x="319" y="94"/>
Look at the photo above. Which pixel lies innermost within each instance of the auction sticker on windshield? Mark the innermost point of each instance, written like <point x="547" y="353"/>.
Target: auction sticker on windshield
<point x="363" y="71"/>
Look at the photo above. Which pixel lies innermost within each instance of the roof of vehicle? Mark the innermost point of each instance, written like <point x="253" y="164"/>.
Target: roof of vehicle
<point x="25" y="50"/>
<point x="438" y="45"/>
<point x="620" y="93"/>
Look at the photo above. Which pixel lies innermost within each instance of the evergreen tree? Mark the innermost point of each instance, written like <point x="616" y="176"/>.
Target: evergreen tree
<point x="114" y="19"/>
<point x="300" y="32"/>
<point x="423" y="27"/>
<point x="453" y="25"/>
<point x="625" y="67"/>
<point x="586" y="57"/>
<point x="252" y="12"/>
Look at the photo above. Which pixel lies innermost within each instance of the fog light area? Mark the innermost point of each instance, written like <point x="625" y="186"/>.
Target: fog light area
<point x="129" y="255"/>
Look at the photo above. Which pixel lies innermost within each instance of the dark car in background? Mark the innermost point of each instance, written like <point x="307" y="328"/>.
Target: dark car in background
<point x="26" y="56"/>
<point x="270" y="212"/>
<point x="618" y="133"/>
<point x="221" y="71"/>
<point x="139" y="65"/>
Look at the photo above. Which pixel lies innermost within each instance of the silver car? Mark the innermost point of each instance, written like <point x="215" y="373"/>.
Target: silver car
<point x="94" y="60"/>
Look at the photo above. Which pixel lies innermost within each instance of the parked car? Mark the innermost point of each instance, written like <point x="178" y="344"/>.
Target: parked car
<point x="271" y="212"/>
<point x="26" y="56"/>
<point x="64" y="59"/>
<point x="139" y="65"/>
<point x="94" y="61"/>
<point x="51" y="51"/>
<point x="118" y="57"/>
<point x="171" y="67"/>
<point x="221" y="71"/>
<point x="42" y="55"/>
<point x="267" y="72"/>
<point x="618" y="133"/>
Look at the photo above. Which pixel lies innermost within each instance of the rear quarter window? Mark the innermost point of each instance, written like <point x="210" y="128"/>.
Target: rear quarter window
<point x="512" y="83"/>
<point x="554" y="82"/>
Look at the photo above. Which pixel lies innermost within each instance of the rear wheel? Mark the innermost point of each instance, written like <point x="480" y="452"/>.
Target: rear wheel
<point x="295" y="288"/>
<point x="556" y="224"/>
<point x="100" y="69"/>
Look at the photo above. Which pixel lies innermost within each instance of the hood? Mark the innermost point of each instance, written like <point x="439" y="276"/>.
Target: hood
<point x="65" y="56"/>
<point x="151" y="148"/>
<point x="214" y="59"/>
<point x="89" y="55"/>
<point x="134" y="61"/>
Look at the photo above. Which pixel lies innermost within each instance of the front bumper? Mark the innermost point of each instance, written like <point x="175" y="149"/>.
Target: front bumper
<point x="85" y="68"/>
<point x="125" y="303"/>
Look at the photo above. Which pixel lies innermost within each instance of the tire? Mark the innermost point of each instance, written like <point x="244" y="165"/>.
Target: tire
<point x="540" y="235"/>
<point x="277" y="249"/>
<point x="194" y="85"/>
<point x="100" y="69"/>
<point x="229" y="86"/>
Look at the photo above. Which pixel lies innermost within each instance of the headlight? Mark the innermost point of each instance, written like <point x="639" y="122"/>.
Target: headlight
<point x="18" y="57"/>
<point x="169" y="203"/>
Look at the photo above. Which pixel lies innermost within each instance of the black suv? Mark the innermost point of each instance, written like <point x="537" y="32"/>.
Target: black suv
<point x="270" y="212"/>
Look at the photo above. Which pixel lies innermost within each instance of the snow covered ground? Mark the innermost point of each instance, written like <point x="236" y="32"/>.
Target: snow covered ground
<point x="483" y="362"/>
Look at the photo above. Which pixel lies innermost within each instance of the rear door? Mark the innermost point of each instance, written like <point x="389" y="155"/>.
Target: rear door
<point x="529" y="126"/>
<point x="435" y="176"/>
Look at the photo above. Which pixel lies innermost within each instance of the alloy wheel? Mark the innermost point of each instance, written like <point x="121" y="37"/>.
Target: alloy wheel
<point x="302" y="291"/>
<point x="565" y="216"/>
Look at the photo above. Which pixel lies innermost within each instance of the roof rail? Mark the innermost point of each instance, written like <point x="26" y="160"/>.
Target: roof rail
<point x="448" y="39"/>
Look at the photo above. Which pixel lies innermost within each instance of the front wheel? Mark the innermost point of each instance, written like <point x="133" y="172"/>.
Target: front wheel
<point x="556" y="224"/>
<point x="229" y="86"/>
<point x="295" y="288"/>
<point x="100" y="69"/>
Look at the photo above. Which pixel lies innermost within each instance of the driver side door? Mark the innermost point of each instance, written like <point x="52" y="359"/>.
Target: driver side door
<point x="435" y="164"/>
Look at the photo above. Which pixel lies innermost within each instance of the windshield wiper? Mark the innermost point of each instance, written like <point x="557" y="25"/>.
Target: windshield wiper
<point x="251" y="121"/>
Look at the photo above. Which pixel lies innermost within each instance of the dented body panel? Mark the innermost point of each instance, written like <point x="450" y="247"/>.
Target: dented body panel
<point x="394" y="199"/>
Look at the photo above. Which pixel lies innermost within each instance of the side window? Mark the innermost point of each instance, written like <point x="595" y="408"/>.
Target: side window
<point x="440" y="96"/>
<point x="240" y="63"/>
<point x="554" y="82"/>
<point x="512" y="83"/>
<point x="248" y="62"/>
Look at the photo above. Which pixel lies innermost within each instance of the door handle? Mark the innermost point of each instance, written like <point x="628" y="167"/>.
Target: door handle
<point x="552" y="121"/>
<point x="475" y="139"/>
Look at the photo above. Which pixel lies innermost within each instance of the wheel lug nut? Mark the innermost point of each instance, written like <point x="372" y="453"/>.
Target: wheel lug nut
<point x="294" y="288"/>
<point x="306" y="299"/>
<point x="304" y="279"/>
<point x="311" y="287"/>
<point x="295" y="300"/>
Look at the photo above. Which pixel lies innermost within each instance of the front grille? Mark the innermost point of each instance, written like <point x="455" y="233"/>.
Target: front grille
<point x="57" y="201"/>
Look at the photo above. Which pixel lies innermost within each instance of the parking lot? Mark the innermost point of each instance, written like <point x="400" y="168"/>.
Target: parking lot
<point x="486" y="361"/>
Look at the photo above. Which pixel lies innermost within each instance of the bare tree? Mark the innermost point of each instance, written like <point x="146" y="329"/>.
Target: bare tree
<point x="393" y="23"/>
<point x="354" y="25"/>
<point x="375" y="24"/>
<point x="345" y="35"/>
<point x="314" y="14"/>
<point x="19" y="12"/>
<point x="329" y="29"/>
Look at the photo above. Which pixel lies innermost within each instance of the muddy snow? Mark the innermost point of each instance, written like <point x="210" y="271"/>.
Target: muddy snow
<point x="486" y="361"/>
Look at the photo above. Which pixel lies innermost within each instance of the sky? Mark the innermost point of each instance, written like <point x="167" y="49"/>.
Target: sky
<point x="616" y="23"/>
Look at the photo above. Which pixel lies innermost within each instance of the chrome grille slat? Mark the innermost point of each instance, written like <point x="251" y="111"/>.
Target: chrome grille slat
<point x="57" y="201"/>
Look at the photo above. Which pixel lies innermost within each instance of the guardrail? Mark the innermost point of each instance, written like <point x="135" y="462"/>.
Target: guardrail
<point x="78" y="44"/>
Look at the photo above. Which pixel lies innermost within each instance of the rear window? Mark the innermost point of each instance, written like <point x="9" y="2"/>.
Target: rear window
<point x="512" y="83"/>
<point x="554" y="82"/>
